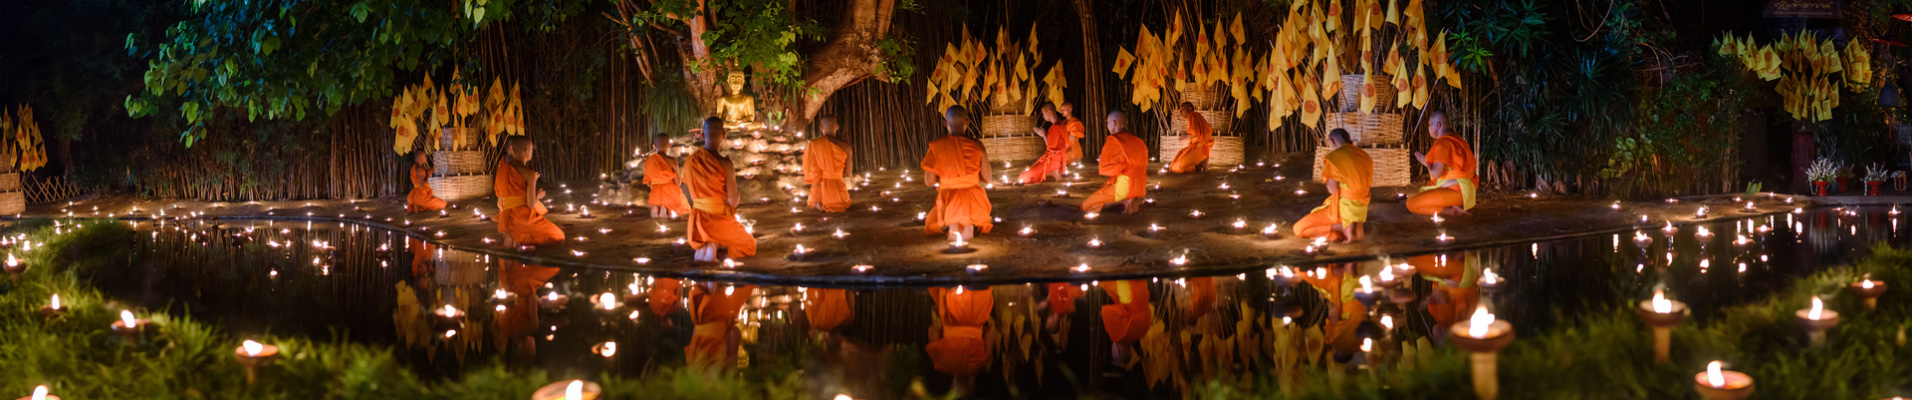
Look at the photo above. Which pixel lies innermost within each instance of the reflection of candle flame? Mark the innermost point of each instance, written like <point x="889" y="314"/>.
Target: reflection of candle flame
<point x="126" y="317"/>
<point x="253" y="348"/>
<point x="608" y="301"/>
<point x="1660" y="304"/>
<point x="1477" y="325"/>
<point x="1488" y="277"/>
<point x="448" y="311"/>
<point x="609" y="349"/>
<point x="1367" y="345"/>
<point x="574" y="391"/>
<point x="553" y="296"/>
<point x="1713" y="377"/>
<point x="1818" y="308"/>
<point x="1179" y="260"/>
<point x="1386" y="275"/>
<point x="1387" y="321"/>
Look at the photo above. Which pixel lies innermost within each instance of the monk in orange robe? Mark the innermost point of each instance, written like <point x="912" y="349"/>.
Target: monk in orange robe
<point x="421" y="198"/>
<point x="713" y="310"/>
<point x="1201" y="137"/>
<point x="1057" y="141"/>
<point x="1127" y="316"/>
<point x="1125" y="160"/>
<point x="1455" y="295"/>
<point x="521" y="218"/>
<point x="1338" y="285"/>
<point x="828" y="310"/>
<point x="957" y="166"/>
<point x="956" y="344"/>
<point x="1450" y="161"/>
<point x="1076" y="131"/>
<point x="713" y="197"/>
<point x="660" y="173"/>
<point x="826" y="163"/>
<point x="520" y="316"/>
<point x="421" y="259"/>
<point x="1201" y="297"/>
<point x="662" y="298"/>
<point x="1349" y="171"/>
<point x="1061" y="302"/>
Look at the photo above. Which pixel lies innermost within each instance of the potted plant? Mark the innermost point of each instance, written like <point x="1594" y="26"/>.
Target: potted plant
<point x="1875" y="177"/>
<point x="1898" y="180"/>
<point x="1822" y="172"/>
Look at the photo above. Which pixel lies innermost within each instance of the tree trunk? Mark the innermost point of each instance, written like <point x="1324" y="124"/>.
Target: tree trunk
<point x="850" y="57"/>
<point x="1092" y="107"/>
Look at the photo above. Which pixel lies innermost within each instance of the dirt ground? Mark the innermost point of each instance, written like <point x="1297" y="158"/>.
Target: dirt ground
<point x="884" y="233"/>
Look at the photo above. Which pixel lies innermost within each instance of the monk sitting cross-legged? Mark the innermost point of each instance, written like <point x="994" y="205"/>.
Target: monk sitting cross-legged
<point x="1451" y="163"/>
<point x="826" y="163"/>
<point x="1125" y="160"/>
<point x="1348" y="171"/>
<point x="660" y="173"/>
<point x="713" y="197"/>
<point x="521" y="215"/>
<point x="1058" y="140"/>
<point x="1201" y="137"/>
<point x="957" y="165"/>
<point x="421" y="198"/>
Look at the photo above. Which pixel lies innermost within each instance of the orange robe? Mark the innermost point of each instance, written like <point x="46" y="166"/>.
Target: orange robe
<point x="1055" y="155"/>
<point x="1125" y="160"/>
<point x="1062" y="297"/>
<point x="824" y="160"/>
<point x="712" y="218"/>
<point x="960" y="198"/>
<point x="1075" y="138"/>
<point x="1460" y="299"/>
<point x="828" y="309"/>
<point x="522" y="217"/>
<point x="1201" y="137"/>
<point x="1339" y="291"/>
<point x="660" y="173"/>
<point x="521" y="316"/>
<point x="1201" y="297"/>
<point x="1455" y="188"/>
<point x="421" y="199"/>
<point x="713" y="314"/>
<point x="1127" y="316"/>
<point x="663" y="296"/>
<point x="1352" y="167"/>
<point x="961" y="351"/>
<point x="421" y="258"/>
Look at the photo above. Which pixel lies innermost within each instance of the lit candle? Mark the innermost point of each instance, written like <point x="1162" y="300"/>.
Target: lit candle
<point x="1480" y="324"/>
<point x="40" y="393"/>
<point x="1089" y="215"/>
<point x="1717" y="384"/>
<point x="1443" y="237"/>
<point x="1179" y="260"/>
<point x="53" y="308"/>
<point x="1702" y="232"/>
<point x="1270" y="231"/>
<point x="607" y="301"/>
<point x="1616" y="205"/>
<point x="568" y="390"/>
<point x="13" y="264"/>
<point x="862" y="268"/>
<point x="798" y="228"/>
<point x="1701" y="213"/>
<point x="1026" y="231"/>
<point x="1195" y="214"/>
<point x="1489" y="279"/>
<point x="606" y="349"/>
<point x="800" y="250"/>
<point x="1081" y="268"/>
<point x="977" y="267"/>
<point x="840" y="234"/>
<point x="1239" y="224"/>
<point x="1437" y="219"/>
<point x="1816" y="321"/>
<point x="1868" y="290"/>
<point x="1095" y="242"/>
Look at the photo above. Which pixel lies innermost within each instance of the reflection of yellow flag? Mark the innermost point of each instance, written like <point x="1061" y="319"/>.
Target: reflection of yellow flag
<point x="1122" y="62"/>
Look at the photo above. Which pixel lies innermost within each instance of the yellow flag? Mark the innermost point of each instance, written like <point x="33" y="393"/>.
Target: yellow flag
<point x="1032" y="38"/>
<point x="1122" y="62"/>
<point x="1175" y="30"/>
<point x="1368" y="88"/>
<point x="1235" y="28"/>
<point x="1393" y="13"/>
<point x="1413" y="12"/>
<point x="1310" y="103"/>
<point x="1403" y="83"/>
<point x="1420" y="87"/>
<point x="1333" y="20"/>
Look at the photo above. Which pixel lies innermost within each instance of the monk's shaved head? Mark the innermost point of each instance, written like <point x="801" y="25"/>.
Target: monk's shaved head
<point x="520" y="147"/>
<point x="1118" y="122"/>
<point x="1066" y="108"/>
<point x="828" y="124"/>
<point x="1437" y="124"/>
<point x="1340" y="137"/>
<point x="713" y="131"/>
<point x="1188" y="107"/>
<point x="518" y="142"/>
<point x="954" y="112"/>
<point x="661" y="141"/>
<point x="956" y="120"/>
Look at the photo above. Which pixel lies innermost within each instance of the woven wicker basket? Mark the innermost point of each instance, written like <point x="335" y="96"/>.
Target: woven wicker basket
<point x="1390" y="165"/>
<point x="1219" y="120"/>
<point x="1008" y="126"/>
<point x="13" y="202"/>
<point x="459" y="268"/>
<point x="448" y="140"/>
<point x="1351" y="92"/>
<point x="10" y="182"/>
<point x="462" y="187"/>
<point x="1368" y="129"/>
<point x="453" y="163"/>
<point x="1022" y="148"/>
<point x="1208" y="97"/>
<point x="1228" y="150"/>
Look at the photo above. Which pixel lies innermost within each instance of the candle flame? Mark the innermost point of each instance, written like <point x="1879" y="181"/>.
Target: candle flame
<point x="1269" y="230"/>
<point x="500" y="294"/>
<point x="801" y="250"/>
<point x="553" y="296"/>
<point x="1660" y="304"/>
<point x="1240" y="224"/>
<point x="39" y="392"/>
<point x="1367" y="345"/>
<point x="1477" y="325"/>
<point x="448" y="311"/>
<point x="574" y="391"/>
<point x="1387" y="321"/>
<point x="609" y="349"/>
<point x="12" y="262"/>
<point x="1865" y="284"/>
<point x="1713" y="377"/>
<point x="1387" y="275"/>
<point x="608" y="301"/>
<point x="1367" y="285"/>
<point x="253" y="348"/>
<point x="56" y="300"/>
<point x="126" y="317"/>
<point x="1818" y="309"/>
<point x="1179" y="260"/>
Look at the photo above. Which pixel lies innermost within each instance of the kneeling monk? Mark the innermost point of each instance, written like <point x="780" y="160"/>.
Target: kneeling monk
<point x="713" y="198"/>
<point x="660" y="173"/>
<point x="1125" y="160"/>
<point x="422" y="199"/>
<point x="957" y="166"/>
<point x="1058" y="139"/>
<point x="521" y="215"/>
<point x="1201" y="138"/>
<point x="1348" y="171"/>
<point x="1451" y="163"/>
<point x="826" y="163"/>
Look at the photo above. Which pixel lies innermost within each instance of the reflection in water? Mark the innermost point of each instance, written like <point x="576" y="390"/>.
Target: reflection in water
<point x="1148" y="337"/>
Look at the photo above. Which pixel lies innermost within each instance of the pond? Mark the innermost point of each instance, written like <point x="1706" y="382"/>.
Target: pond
<point x="1038" y="339"/>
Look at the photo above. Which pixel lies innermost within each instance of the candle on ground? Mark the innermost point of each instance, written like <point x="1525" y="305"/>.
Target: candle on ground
<point x="40" y="393"/>
<point x="253" y="355"/>
<point x="1816" y="320"/>
<point x="1868" y="290"/>
<point x="1661" y="315"/>
<point x="1717" y="384"/>
<point x="1483" y="336"/>
<point x="568" y="390"/>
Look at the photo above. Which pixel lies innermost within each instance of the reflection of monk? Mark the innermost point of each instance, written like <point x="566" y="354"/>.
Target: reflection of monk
<point x="956" y="346"/>
<point x="421" y="259"/>
<point x="714" y="312"/>
<point x="828" y="309"/>
<point x="1061" y="302"/>
<point x="521" y="215"/>
<point x="1454" y="295"/>
<point x="1201" y="297"/>
<point x="520" y="317"/>
<point x="1127" y="316"/>
<point x="662" y="297"/>
<point x="826" y="161"/>
<point x="1344" y="312"/>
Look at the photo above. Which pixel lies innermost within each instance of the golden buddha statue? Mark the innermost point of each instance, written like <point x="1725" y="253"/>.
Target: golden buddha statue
<point x="739" y="110"/>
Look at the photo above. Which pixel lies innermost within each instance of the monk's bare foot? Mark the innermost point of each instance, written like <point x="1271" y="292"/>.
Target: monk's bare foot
<point x="1459" y="211"/>
<point x="509" y="242"/>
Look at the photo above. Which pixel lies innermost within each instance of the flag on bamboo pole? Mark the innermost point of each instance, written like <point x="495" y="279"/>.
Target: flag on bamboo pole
<point x="1123" y="60"/>
<point x="1310" y="102"/>
<point x="1398" y="76"/>
<point x="1333" y="20"/>
<point x="1331" y="75"/>
<point x="1277" y="105"/>
<point x="1368" y="89"/>
<point x="1375" y="15"/>
<point x="1413" y="13"/>
<point x="1175" y="30"/>
<point x="1393" y="13"/>
<point x="1032" y="40"/>
<point x="1235" y="29"/>
<point x="1420" y="87"/>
